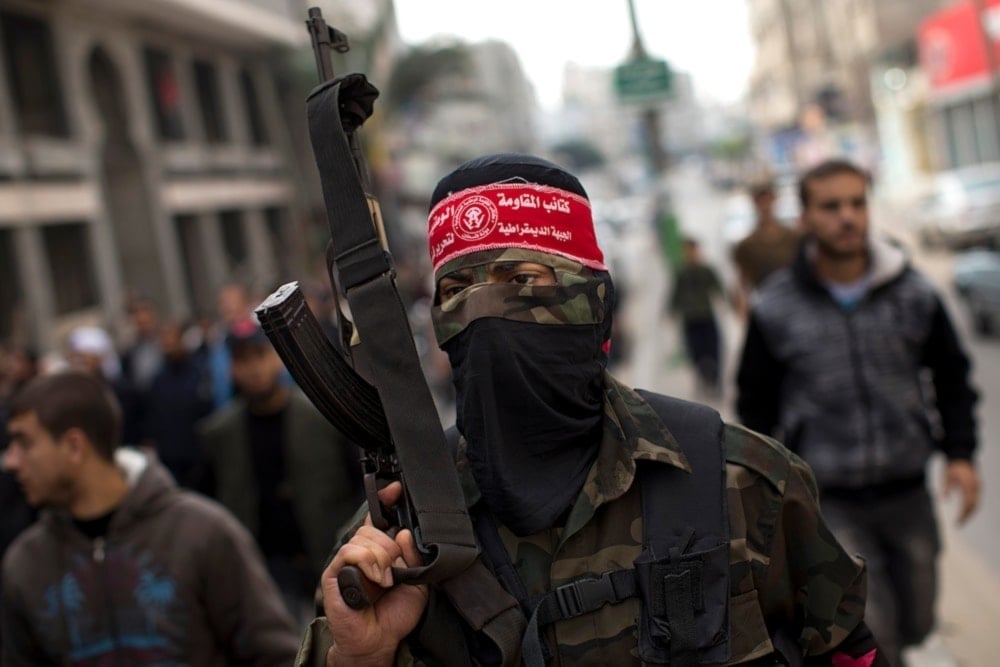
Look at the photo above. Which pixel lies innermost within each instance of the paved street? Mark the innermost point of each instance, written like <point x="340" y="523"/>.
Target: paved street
<point x="969" y="608"/>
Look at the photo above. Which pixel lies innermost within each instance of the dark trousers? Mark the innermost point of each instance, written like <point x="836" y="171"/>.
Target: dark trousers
<point x="898" y="537"/>
<point x="701" y="341"/>
<point x="297" y="584"/>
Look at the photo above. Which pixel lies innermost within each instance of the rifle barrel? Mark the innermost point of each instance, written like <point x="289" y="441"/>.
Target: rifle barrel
<point x="319" y="33"/>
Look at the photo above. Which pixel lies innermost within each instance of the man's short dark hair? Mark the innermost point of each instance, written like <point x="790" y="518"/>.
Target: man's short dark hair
<point x="73" y="399"/>
<point x="246" y="336"/>
<point x="826" y="169"/>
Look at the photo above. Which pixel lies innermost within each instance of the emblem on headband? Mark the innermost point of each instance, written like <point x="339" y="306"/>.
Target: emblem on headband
<point x="475" y="218"/>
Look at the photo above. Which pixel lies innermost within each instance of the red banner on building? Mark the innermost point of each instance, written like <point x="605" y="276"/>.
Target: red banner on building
<point x="952" y="43"/>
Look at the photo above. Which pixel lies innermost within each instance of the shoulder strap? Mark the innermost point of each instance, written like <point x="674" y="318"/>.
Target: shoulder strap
<point x="481" y="601"/>
<point x="697" y="502"/>
<point x="367" y="277"/>
<point x="683" y="572"/>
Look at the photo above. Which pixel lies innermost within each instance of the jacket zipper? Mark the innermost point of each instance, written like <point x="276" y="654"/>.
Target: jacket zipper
<point x="865" y="397"/>
<point x="99" y="553"/>
<point x="99" y="550"/>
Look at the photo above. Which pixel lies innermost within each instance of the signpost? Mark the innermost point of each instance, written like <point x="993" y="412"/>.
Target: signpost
<point x="647" y="82"/>
<point x="643" y="80"/>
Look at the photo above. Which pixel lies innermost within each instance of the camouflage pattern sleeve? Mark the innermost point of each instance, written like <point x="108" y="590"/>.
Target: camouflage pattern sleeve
<point x="829" y="585"/>
<point x="841" y="597"/>
<point x="809" y="589"/>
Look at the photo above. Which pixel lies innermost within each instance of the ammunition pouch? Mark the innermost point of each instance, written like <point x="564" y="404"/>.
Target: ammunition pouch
<point x="684" y="605"/>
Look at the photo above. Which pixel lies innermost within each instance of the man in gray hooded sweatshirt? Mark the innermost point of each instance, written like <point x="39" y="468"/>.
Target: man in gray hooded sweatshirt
<point x="123" y="567"/>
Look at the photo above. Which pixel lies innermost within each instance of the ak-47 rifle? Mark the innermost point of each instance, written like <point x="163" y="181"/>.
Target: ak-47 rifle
<point x="395" y="421"/>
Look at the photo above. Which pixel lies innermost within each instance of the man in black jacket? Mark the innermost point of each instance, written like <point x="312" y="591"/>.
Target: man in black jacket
<point x="833" y="359"/>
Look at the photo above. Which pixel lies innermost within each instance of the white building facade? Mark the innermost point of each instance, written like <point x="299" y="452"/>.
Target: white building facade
<point x="143" y="152"/>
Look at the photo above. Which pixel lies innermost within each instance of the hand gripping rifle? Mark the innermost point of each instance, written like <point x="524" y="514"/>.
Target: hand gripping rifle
<point x="395" y="422"/>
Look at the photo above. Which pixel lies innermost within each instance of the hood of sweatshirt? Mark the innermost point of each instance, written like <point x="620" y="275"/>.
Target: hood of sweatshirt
<point x="887" y="261"/>
<point x="150" y="487"/>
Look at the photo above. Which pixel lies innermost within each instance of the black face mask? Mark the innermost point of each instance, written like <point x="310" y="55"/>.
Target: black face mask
<point x="529" y="401"/>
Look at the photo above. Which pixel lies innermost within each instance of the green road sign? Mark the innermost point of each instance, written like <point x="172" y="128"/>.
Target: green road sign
<point x="643" y="80"/>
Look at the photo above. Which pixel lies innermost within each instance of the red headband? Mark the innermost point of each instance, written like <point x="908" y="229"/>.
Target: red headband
<point x="513" y="215"/>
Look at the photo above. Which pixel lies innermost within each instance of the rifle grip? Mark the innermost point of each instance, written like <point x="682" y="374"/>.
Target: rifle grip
<point x="358" y="591"/>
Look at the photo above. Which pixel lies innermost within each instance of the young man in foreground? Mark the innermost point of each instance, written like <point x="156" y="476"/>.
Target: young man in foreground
<point x="123" y="567"/>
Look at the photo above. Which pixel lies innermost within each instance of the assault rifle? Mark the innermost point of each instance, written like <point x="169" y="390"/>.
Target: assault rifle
<point x="395" y="421"/>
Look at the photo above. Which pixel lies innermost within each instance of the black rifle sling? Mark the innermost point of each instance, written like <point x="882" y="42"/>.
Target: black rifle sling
<point x="366" y="275"/>
<point x="683" y="572"/>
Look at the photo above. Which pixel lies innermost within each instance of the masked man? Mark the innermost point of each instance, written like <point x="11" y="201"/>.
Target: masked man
<point x="575" y="481"/>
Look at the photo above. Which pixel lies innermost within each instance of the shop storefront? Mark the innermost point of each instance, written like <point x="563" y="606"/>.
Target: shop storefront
<point x="963" y="81"/>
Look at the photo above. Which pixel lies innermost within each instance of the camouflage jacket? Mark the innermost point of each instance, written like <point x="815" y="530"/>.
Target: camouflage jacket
<point x="786" y="567"/>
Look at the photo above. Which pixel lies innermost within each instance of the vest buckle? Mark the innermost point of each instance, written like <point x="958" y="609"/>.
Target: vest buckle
<point x="585" y="595"/>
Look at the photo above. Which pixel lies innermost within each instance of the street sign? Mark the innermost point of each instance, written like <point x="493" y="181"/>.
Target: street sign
<point x="643" y="80"/>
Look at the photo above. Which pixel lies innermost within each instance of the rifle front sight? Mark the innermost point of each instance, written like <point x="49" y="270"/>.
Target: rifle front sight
<point x="324" y="38"/>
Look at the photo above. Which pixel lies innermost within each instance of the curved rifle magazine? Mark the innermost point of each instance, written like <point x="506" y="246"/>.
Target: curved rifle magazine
<point x="341" y="395"/>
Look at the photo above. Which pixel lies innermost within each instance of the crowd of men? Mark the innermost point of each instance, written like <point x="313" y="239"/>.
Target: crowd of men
<point x="195" y="496"/>
<point x="233" y="492"/>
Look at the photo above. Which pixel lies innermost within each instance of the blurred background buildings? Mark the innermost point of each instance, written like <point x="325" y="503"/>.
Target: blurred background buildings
<point x="144" y="151"/>
<point x="908" y="86"/>
<point x="159" y="149"/>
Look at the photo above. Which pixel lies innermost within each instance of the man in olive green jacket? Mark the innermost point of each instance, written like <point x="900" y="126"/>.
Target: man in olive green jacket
<point x="277" y="464"/>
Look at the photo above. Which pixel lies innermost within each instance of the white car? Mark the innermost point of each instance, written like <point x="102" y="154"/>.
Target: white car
<point x="962" y="209"/>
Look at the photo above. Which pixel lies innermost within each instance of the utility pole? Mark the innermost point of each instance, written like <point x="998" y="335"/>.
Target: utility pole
<point x="650" y="115"/>
<point x="665" y="220"/>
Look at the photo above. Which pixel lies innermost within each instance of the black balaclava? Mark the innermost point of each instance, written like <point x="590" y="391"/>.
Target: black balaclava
<point x="527" y="362"/>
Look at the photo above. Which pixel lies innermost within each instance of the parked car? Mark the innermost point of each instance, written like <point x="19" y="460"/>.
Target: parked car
<point x="977" y="281"/>
<point x="961" y="209"/>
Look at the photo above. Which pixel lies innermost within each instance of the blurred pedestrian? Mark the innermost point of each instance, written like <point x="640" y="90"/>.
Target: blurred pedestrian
<point x="769" y="247"/>
<point x="18" y="366"/>
<point x="123" y="567"/>
<point x="280" y="467"/>
<point x="142" y="356"/>
<point x="695" y="290"/>
<point x="90" y="349"/>
<point x="178" y="397"/>
<point x="15" y="513"/>
<point x="234" y="304"/>
<point x="835" y="351"/>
